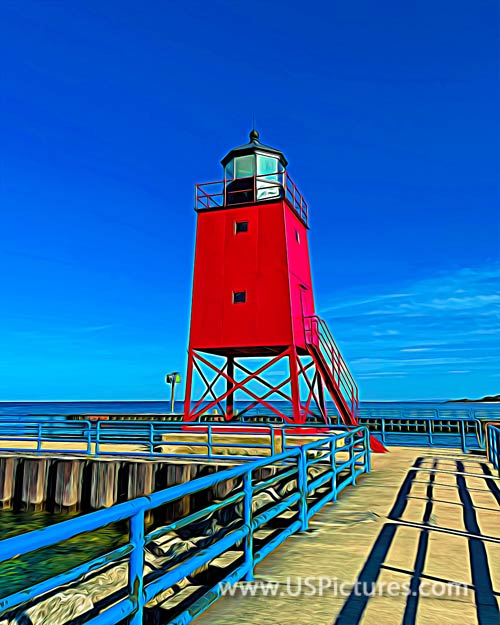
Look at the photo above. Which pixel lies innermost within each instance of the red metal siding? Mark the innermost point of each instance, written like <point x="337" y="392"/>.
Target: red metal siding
<point x="256" y="262"/>
<point x="301" y="292"/>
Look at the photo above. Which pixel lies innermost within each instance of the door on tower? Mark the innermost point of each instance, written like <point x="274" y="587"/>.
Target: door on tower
<point x="306" y="309"/>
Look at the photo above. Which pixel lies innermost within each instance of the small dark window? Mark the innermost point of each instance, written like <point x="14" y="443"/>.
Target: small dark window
<point x="297" y="236"/>
<point x="239" y="297"/>
<point x="241" y="226"/>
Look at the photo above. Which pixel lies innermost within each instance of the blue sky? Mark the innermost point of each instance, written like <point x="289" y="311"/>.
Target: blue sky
<point x="388" y="113"/>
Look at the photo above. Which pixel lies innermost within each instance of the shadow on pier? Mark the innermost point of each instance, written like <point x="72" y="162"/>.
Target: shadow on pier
<point x="440" y="507"/>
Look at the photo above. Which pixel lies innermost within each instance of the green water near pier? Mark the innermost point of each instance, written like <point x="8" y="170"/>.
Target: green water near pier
<point x="22" y="572"/>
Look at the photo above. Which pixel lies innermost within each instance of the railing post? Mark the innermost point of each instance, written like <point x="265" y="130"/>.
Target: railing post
<point x="479" y="432"/>
<point x="151" y="438"/>
<point x="368" y="457"/>
<point x="97" y="437"/>
<point x="333" y="461"/>
<point x="89" y="436"/>
<point x="462" y="435"/>
<point x="136" y="567"/>
<point x="352" y="458"/>
<point x="491" y="445"/>
<point x="247" y="521"/>
<point x="494" y="447"/>
<point x="493" y="439"/>
<point x="39" y="437"/>
<point x="382" y="428"/>
<point x="209" y="441"/>
<point x="496" y="436"/>
<point x="430" y="432"/>
<point x="302" y="486"/>
<point x="488" y="443"/>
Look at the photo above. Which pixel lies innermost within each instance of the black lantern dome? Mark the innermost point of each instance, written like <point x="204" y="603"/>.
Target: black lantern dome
<point x="253" y="172"/>
<point x="254" y="146"/>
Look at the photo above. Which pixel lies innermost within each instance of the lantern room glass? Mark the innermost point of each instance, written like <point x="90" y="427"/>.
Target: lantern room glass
<point x="253" y="177"/>
<point x="244" y="166"/>
<point x="229" y="170"/>
<point x="268" y="178"/>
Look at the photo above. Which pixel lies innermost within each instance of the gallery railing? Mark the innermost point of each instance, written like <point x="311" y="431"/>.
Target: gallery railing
<point x="254" y="189"/>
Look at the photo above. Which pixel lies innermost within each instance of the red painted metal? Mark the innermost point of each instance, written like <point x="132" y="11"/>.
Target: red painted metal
<point x="266" y="343"/>
<point x="267" y="263"/>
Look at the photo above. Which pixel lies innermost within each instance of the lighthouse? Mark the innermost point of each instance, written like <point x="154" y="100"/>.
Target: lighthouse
<point x="255" y="338"/>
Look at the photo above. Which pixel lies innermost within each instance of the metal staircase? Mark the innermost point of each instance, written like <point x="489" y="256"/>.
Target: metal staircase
<point x="336" y="376"/>
<point x="335" y="373"/>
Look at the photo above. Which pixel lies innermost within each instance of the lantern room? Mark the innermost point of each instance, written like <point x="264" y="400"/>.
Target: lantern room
<point x="253" y="172"/>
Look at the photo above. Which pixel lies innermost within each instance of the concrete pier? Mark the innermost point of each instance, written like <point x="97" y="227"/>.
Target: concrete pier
<point x="34" y="484"/>
<point x="68" y="484"/>
<point x="7" y="473"/>
<point x="422" y="516"/>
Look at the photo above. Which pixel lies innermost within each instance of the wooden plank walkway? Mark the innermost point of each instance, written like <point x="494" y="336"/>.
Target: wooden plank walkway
<point x="422" y="516"/>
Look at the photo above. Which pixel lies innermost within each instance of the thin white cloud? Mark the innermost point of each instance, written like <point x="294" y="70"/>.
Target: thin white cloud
<point x="455" y="315"/>
<point x="363" y="302"/>
<point x="380" y="374"/>
<point x="385" y="333"/>
<point x="486" y="331"/>
<point x="416" y="349"/>
<point x="100" y="328"/>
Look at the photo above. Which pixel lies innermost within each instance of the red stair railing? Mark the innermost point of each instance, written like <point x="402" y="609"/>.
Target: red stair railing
<point x="317" y="334"/>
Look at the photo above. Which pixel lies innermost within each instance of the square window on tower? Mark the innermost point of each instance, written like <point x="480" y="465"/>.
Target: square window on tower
<point x="241" y="226"/>
<point x="239" y="297"/>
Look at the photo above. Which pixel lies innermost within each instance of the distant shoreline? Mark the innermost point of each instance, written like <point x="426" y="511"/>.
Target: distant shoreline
<point x="489" y="399"/>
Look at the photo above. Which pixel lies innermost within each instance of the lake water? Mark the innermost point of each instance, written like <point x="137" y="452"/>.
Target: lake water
<point x="55" y="410"/>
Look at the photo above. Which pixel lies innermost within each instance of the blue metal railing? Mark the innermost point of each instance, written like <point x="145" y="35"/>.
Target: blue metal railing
<point x="420" y="431"/>
<point x="212" y="440"/>
<point x="339" y="460"/>
<point x="427" y="431"/>
<point x="176" y="440"/>
<point x="493" y="446"/>
<point x="139" y="438"/>
<point x="46" y="436"/>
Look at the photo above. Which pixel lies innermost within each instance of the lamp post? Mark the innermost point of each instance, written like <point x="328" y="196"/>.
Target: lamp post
<point x="172" y="379"/>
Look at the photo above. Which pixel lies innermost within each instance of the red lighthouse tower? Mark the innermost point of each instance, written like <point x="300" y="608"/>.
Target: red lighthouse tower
<point x="254" y="333"/>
